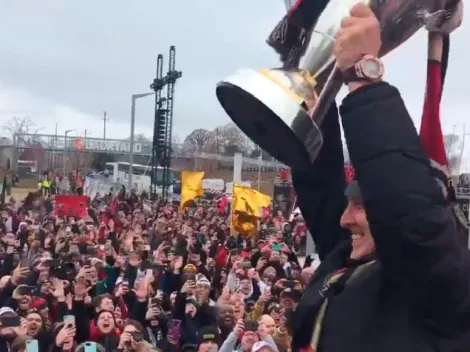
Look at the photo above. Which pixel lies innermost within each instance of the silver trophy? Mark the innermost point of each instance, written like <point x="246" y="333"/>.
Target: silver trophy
<point x="269" y="104"/>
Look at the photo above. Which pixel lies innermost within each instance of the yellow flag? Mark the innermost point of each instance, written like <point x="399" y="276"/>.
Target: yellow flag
<point x="191" y="186"/>
<point x="249" y="201"/>
<point x="247" y="208"/>
<point x="244" y="224"/>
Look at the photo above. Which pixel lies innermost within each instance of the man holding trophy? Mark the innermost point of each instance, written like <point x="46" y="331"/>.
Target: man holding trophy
<point x="393" y="276"/>
<point x="405" y="284"/>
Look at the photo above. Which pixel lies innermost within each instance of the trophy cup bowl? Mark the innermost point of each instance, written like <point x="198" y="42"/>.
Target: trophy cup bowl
<point x="269" y="105"/>
<point x="271" y="115"/>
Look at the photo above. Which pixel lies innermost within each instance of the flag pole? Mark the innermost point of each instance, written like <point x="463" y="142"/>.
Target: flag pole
<point x="260" y="158"/>
<point x="231" y="210"/>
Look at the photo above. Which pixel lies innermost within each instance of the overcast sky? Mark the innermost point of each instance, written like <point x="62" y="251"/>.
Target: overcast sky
<point x="65" y="61"/>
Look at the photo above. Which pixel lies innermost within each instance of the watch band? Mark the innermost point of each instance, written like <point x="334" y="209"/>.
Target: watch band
<point x="351" y="75"/>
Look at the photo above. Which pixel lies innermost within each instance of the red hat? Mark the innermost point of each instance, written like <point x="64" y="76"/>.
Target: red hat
<point x="38" y="303"/>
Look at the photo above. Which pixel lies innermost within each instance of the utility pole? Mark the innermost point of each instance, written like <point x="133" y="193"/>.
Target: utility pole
<point x="105" y="119"/>
<point x="54" y="149"/>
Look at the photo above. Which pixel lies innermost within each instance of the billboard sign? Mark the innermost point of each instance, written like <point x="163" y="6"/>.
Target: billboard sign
<point x="109" y="145"/>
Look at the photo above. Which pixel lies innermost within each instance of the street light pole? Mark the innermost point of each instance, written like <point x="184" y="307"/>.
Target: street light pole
<point x="66" y="149"/>
<point x="132" y="137"/>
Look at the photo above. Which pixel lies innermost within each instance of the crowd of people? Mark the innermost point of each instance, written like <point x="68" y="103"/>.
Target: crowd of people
<point x="134" y="279"/>
<point x="129" y="276"/>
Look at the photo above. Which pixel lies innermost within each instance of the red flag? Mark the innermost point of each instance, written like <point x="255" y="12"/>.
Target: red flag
<point x="72" y="206"/>
<point x="431" y="131"/>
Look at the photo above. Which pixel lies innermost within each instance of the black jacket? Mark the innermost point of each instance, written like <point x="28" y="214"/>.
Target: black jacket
<point x="417" y="295"/>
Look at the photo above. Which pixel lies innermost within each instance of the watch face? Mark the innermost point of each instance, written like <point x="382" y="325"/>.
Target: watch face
<point x="372" y="68"/>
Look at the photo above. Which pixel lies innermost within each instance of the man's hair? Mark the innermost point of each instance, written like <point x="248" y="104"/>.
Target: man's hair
<point x="98" y="299"/>
<point x="136" y="324"/>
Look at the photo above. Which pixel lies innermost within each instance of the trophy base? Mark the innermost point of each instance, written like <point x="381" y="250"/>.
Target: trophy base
<point x="271" y="116"/>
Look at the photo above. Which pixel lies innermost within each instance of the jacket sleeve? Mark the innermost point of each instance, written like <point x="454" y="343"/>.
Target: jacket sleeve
<point x="320" y="189"/>
<point x="415" y="234"/>
<point x="62" y="310"/>
<point x="229" y="343"/>
<point x="170" y="282"/>
<point x="112" y="274"/>
<point x="257" y="311"/>
<point x="6" y="294"/>
<point x="82" y="321"/>
<point x="206" y="315"/>
<point x="139" y="311"/>
<point x="179" y="309"/>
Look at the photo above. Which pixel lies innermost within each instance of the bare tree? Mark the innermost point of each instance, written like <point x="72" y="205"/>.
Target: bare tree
<point x="231" y="139"/>
<point x="257" y="152"/>
<point x="199" y="140"/>
<point x="24" y="129"/>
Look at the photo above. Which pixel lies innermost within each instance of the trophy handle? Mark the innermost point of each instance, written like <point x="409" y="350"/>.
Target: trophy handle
<point x="327" y="95"/>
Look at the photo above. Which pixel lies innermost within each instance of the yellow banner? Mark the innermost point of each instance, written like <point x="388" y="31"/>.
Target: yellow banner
<point x="245" y="225"/>
<point x="247" y="208"/>
<point x="191" y="186"/>
<point x="249" y="201"/>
